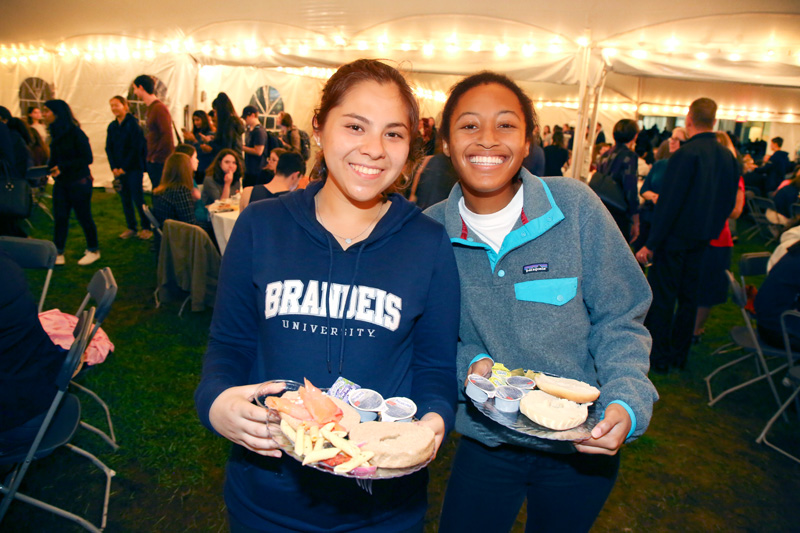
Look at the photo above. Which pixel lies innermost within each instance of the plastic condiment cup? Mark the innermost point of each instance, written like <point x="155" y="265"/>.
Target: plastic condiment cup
<point x="521" y="382"/>
<point x="479" y="388"/>
<point x="507" y="398"/>
<point x="398" y="409"/>
<point x="367" y="402"/>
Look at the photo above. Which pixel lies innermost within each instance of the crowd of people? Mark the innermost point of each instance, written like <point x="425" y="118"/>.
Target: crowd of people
<point x="505" y="242"/>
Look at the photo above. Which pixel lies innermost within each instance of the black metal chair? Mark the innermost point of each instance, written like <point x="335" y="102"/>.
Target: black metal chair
<point x="746" y="338"/>
<point x="32" y="253"/>
<point x="790" y="325"/>
<point x="58" y="427"/>
<point x="103" y="290"/>
<point x="758" y="211"/>
<point x="152" y="218"/>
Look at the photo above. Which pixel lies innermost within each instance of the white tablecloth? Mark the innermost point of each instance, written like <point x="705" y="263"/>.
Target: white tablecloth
<point x="223" y="226"/>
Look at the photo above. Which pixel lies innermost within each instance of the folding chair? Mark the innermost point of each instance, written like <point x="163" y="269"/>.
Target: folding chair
<point x="751" y="264"/>
<point x="188" y="262"/>
<point x="32" y="253"/>
<point x="57" y="430"/>
<point x="103" y="290"/>
<point x="790" y="326"/>
<point x="151" y="217"/>
<point x="747" y="338"/>
<point x="758" y="210"/>
<point x="37" y="178"/>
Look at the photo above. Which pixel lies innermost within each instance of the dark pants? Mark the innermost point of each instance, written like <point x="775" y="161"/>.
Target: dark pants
<point x="488" y="485"/>
<point x="674" y="279"/>
<point x="75" y="195"/>
<point x="623" y="222"/>
<point x="154" y="170"/>
<point x="234" y="526"/>
<point x="132" y="199"/>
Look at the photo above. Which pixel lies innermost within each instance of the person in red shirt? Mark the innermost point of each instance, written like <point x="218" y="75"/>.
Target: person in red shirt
<point x="158" y="127"/>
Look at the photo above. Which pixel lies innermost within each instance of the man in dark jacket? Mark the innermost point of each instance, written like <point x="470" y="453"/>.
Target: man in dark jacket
<point x="776" y="164"/>
<point x="125" y="147"/>
<point x="697" y="197"/>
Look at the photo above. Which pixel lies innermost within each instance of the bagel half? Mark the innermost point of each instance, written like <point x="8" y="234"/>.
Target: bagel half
<point x="552" y="412"/>
<point x="569" y="389"/>
<point x="395" y="444"/>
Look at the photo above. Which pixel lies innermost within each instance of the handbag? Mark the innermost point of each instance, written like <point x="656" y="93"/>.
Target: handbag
<point x="15" y="195"/>
<point x="609" y="191"/>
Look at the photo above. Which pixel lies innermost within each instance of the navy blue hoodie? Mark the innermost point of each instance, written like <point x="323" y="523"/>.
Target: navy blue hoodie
<point x="281" y="275"/>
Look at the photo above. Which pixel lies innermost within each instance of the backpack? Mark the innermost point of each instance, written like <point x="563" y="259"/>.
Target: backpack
<point x="305" y="145"/>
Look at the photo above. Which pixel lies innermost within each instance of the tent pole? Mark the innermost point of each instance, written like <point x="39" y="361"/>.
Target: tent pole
<point x="598" y="91"/>
<point x="578" y="138"/>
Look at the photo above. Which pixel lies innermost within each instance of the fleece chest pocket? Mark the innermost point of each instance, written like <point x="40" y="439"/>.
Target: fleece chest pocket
<point x="547" y="291"/>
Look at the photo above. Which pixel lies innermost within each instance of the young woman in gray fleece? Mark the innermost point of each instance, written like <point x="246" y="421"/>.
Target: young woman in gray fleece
<point x="548" y="283"/>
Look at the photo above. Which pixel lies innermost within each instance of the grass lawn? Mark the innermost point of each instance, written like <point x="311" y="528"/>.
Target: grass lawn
<point x="697" y="468"/>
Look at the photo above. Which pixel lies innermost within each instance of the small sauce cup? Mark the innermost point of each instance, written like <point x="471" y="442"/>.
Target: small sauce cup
<point x="521" y="382"/>
<point x="398" y="409"/>
<point x="367" y="402"/>
<point x="507" y="398"/>
<point x="479" y="388"/>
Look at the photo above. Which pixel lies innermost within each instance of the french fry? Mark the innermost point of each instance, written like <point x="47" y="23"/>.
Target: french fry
<point x="353" y="463"/>
<point x="321" y="455"/>
<point x="288" y="431"/>
<point x="299" y="443"/>
<point x="346" y="446"/>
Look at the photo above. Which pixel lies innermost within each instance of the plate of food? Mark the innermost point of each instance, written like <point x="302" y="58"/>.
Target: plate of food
<point x="551" y="408"/>
<point x="326" y="433"/>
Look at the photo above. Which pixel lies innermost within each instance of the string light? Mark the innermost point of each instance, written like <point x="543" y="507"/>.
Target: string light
<point x="639" y="54"/>
<point x="501" y="49"/>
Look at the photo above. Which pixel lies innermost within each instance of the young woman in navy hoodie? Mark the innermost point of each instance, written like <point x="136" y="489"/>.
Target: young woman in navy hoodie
<point x="343" y="278"/>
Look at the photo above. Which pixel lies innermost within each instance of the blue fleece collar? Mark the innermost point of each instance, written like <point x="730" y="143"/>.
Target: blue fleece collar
<point x="524" y="233"/>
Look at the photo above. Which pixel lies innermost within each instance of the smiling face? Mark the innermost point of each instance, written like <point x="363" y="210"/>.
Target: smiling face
<point x="487" y="145"/>
<point x="117" y="109"/>
<point x="36" y="115"/>
<point x="228" y="164"/>
<point x="194" y="161"/>
<point x="366" y="140"/>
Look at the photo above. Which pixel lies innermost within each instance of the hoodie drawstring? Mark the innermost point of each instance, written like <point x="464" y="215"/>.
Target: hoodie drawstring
<point x="347" y="298"/>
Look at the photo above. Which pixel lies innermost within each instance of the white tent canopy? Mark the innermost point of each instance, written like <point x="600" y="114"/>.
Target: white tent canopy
<point x="661" y="55"/>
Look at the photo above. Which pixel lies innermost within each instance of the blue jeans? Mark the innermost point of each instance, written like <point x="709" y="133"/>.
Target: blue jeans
<point x="132" y="199"/>
<point x="488" y="485"/>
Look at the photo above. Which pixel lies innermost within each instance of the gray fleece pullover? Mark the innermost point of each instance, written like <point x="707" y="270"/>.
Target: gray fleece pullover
<point x="564" y="295"/>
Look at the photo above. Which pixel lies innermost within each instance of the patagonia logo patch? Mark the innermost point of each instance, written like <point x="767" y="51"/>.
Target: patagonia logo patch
<point x="536" y="267"/>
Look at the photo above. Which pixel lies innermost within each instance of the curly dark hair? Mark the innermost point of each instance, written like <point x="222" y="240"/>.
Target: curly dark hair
<point x="487" y="77"/>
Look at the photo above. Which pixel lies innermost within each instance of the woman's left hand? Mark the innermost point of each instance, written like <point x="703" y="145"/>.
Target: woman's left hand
<point x="609" y="434"/>
<point x="436" y="423"/>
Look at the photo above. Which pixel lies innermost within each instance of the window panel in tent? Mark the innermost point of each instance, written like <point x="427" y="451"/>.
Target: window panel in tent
<point x="139" y="108"/>
<point x="268" y="101"/>
<point x="33" y="92"/>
